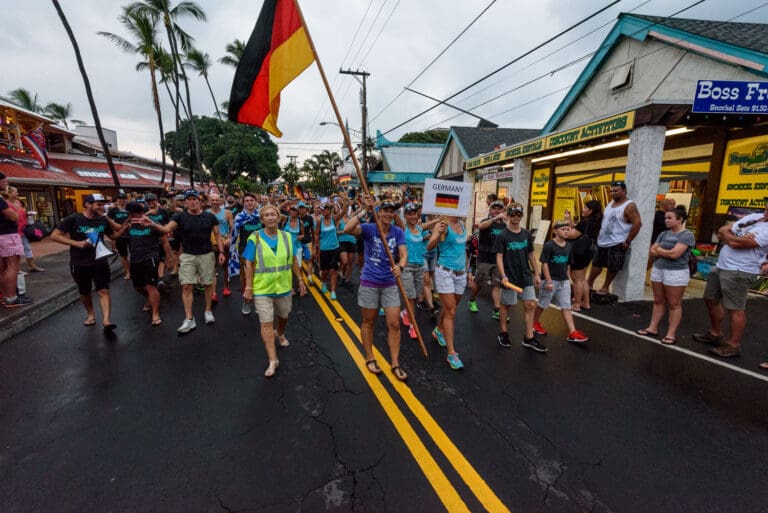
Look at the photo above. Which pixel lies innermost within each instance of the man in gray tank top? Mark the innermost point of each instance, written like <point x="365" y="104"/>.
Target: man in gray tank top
<point x="621" y="224"/>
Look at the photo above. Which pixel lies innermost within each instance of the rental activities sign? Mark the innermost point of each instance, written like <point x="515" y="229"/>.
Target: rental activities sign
<point x="731" y="97"/>
<point x="446" y="197"/>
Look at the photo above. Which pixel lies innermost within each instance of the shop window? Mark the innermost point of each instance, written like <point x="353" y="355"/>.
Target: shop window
<point x="622" y="77"/>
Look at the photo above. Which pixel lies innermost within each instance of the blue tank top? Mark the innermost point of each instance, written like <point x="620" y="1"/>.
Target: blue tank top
<point x="221" y="217"/>
<point x="329" y="239"/>
<point x="345" y="237"/>
<point x="294" y="232"/>
<point x="453" y="250"/>
<point x="417" y="246"/>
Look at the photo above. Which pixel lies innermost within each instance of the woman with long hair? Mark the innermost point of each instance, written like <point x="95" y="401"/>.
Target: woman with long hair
<point x="347" y="247"/>
<point x="670" y="273"/>
<point x="584" y="239"/>
<point x="293" y="225"/>
<point x="327" y="240"/>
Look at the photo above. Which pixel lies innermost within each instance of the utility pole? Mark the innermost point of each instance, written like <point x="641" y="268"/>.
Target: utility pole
<point x="293" y="159"/>
<point x="364" y="107"/>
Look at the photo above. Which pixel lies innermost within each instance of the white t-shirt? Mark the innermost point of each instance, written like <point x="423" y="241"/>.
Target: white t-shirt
<point x="746" y="260"/>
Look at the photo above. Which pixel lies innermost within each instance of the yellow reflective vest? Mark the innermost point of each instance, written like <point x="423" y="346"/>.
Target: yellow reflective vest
<point x="272" y="270"/>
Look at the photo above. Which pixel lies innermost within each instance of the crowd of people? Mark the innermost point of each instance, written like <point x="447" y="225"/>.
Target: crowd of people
<point x="269" y="239"/>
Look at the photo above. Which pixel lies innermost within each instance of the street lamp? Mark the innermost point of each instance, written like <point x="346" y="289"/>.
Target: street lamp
<point x="350" y="130"/>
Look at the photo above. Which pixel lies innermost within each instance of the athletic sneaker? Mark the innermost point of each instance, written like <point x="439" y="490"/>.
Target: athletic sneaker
<point x="214" y="298"/>
<point x="473" y="306"/>
<point x="404" y="317"/>
<point x="495" y="314"/>
<point x="439" y="336"/>
<point x="454" y="361"/>
<point x="381" y="312"/>
<point x="539" y="329"/>
<point x="421" y="305"/>
<point x="435" y="311"/>
<point x="282" y="341"/>
<point x="333" y="295"/>
<point x="187" y="326"/>
<point x="503" y="339"/>
<point x="412" y="332"/>
<point x="17" y="302"/>
<point x="532" y="343"/>
<point x="209" y="318"/>
<point x="245" y="309"/>
<point x="577" y="336"/>
<point x="324" y="288"/>
<point x="226" y="292"/>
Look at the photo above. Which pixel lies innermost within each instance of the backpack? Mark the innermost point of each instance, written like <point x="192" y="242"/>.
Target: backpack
<point x="36" y="231"/>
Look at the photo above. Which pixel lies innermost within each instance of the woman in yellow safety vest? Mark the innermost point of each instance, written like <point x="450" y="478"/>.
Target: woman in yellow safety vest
<point x="269" y="261"/>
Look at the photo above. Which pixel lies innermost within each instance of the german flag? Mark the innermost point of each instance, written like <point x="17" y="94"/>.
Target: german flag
<point x="277" y="52"/>
<point x="298" y="192"/>
<point x="443" y="200"/>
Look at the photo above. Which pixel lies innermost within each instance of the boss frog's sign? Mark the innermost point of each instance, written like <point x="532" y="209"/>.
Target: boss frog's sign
<point x="445" y="197"/>
<point x="730" y="97"/>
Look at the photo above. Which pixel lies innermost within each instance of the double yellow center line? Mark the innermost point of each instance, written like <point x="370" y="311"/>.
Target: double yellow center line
<point x="432" y="471"/>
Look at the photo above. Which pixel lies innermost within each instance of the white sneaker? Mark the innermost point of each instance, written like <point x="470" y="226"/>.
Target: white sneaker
<point x="245" y="309"/>
<point x="209" y="318"/>
<point x="283" y="341"/>
<point x="187" y="326"/>
<point x="273" y="364"/>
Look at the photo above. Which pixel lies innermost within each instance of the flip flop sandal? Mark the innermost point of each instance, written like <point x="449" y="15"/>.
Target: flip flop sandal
<point x="646" y="333"/>
<point x="668" y="341"/>
<point x="157" y="322"/>
<point x="764" y="365"/>
<point x="373" y="367"/>
<point x="399" y="373"/>
<point x="92" y="322"/>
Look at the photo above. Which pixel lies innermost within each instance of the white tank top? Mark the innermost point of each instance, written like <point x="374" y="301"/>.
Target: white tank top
<point x="615" y="228"/>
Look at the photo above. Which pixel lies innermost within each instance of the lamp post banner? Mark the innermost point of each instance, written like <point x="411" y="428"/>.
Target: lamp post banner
<point x="446" y="197"/>
<point x="730" y="97"/>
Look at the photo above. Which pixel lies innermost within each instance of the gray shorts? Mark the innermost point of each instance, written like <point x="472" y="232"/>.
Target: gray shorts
<point x="731" y="288"/>
<point x="413" y="280"/>
<point x="486" y="271"/>
<point x="561" y="293"/>
<point x="430" y="260"/>
<point x="372" y="298"/>
<point x="509" y="297"/>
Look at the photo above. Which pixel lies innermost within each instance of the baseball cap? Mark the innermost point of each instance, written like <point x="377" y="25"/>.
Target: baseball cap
<point x="497" y="203"/>
<point x="561" y="223"/>
<point x="134" y="207"/>
<point x="121" y="195"/>
<point x="191" y="192"/>
<point x="327" y="205"/>
<point x="412" y="207"/>
<point x="150" y="196"/>
<point x="515" y="208"/>
<point x="93" y="198"/>
<point x="178" y="197"/>
<point x="301" y="204"/>
<point x="387" y="204"/>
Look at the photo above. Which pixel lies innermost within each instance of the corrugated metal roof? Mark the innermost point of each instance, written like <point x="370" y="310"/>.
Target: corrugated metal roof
<point x="411" y="159"/>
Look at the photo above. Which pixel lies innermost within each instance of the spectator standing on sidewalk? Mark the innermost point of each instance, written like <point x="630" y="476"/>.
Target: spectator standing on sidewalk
<point x="488" y="228"/>
<point x="14" y="201"/>
<point x="660" y="218"/>
<point x="75" y="231"/>
<point x="11" y="250"/>
<point x="670" y="273"/>
<point x="621" y="224"/>
<point x="745" y="247"/>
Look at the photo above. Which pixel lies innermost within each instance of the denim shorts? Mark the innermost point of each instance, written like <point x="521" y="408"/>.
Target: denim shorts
<point x="560" y="293"/>
<point x="509" y="297"/>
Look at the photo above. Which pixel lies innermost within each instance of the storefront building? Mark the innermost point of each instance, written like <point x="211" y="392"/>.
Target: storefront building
<point x="629" y="118"/>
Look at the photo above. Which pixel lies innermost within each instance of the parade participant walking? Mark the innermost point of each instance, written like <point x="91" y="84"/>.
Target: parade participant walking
<point x="449" y="236"/>
<point x="308" y="224"/>
<point x="119" y="215"/>
<point x="78" y="231"/>
<point x="226" y="222"/>
<point x="378" y="285"/>
<point x="621" y="224"/>
<point x="270" y="266"/>
<point x="145" y="247"/>
<point x="246" y="223"/>
<point x="294" y="226"/>
<point x="745" y="247"/>
<point x="427" y="301"/>
<point x="556" y="285"/>
<point x="517" y="264"/>
<point x="197" y="262"/>
<point x="327" y="240"/>
<point x="162" y="217"/>
<point x="488" y="228"/>
<point x="347" y="246"/>
<point x="670" y="273"/>
<point x="413" y="274"/>
<point x="584" y="239"/>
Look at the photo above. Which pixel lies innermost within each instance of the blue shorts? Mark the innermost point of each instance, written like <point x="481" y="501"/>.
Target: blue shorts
<point x="307" y="252"/>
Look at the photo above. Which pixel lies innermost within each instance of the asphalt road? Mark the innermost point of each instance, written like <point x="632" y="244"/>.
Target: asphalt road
<point x="150" y="421"/>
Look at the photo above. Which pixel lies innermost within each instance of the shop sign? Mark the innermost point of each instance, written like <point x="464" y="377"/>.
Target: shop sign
<point x="499" y="175"/>
<point x="389" y="177"/>
<point x="731" y="97"/>
<point x="609" y="126"/>
<point x="744" y="181"/>
<point x="540" y="187"/>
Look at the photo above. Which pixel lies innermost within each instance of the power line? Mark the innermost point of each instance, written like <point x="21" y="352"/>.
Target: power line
<point x="537" y="47"/>
<point x="435" y="60"/>
<point x="368" y="33"/>
<point x="379" y="34"/>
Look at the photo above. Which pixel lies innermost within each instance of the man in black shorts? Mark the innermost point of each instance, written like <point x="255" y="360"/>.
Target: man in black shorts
<point x="78" y="231"/>
<point x="161" y="216"/>
<point x="119" y="214"/>
<point x="145" y="257"/>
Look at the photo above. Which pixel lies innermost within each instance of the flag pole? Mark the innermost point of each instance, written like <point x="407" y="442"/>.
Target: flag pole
<point x="363" y="184"/>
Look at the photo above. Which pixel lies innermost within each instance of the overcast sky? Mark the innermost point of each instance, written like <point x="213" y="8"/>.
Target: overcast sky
<point x="394" y="47"/>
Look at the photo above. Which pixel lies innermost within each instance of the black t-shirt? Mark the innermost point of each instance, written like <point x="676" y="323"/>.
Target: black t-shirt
<point x="557" y="258"/>
<point x="144" y="243"/>
<point x="6" y="225"/>
<point x="515" y="247"/>
<point x="161" y="217"/>
<point x="194" y="232"/>
<point x="589" y="228"/>
<point x="309" y="229"/>
<point x="78" y="226"/>
<point x="119" y="216"/>
<point x="485" y="253"/>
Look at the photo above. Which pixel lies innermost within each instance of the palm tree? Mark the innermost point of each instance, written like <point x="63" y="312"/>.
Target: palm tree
<point x="235" y="49"/>
<point x="200" y="62"/>
<point x="25" y="99"/>
<point x="142" y="28"/>
<point x="164" y="10"/>
<point x="88" y="92"/>
<point x="59" y="112"/>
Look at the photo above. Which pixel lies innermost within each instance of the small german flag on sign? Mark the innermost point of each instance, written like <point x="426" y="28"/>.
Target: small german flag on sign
<point x="444" y="200"/>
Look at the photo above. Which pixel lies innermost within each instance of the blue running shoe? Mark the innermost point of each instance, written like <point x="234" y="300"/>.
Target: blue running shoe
<point x="333" y="295"/>
<point x="454" y="361"/>
<point x="381" y="312"/>
<point x="439" y="337"/>
<point x="324" y="288"/>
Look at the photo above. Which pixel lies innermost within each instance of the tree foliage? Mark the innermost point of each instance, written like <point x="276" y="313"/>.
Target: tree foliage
<point x="245" y="150"/>
<point x="321" y="169"/>
<point x="428" y="137"/>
